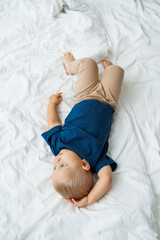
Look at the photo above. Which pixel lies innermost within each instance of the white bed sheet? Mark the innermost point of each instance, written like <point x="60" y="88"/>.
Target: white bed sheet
<point x="32" y="43"/>
<point x="138" y="25"/>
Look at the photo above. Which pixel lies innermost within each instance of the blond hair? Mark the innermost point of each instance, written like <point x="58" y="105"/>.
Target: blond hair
<point x="77" y="186"/>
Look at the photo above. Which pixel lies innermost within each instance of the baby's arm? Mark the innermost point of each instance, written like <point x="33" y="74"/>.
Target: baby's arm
<point x="102" y="185"/>
<point x="100" y="188"/>
<point x="52" y="114"/>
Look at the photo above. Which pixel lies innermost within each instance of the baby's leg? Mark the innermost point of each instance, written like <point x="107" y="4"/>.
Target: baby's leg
<point x="112" y="80"/>
<point x="87" y="73"/>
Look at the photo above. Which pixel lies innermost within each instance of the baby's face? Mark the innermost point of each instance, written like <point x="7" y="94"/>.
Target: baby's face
<point x="65" y="164"/>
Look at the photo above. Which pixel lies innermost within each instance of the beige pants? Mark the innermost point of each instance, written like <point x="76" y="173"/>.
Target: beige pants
<point x="88" y="85"/>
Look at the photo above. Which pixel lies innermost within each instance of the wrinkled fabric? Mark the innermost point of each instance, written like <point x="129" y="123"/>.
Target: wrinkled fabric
<point x="31" y="47"/>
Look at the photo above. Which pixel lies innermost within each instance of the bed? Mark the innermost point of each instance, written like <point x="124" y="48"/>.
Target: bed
<point x="34" y="36"/>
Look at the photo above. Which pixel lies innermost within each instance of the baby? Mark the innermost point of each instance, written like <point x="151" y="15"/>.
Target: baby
<point x="81" y="144"/>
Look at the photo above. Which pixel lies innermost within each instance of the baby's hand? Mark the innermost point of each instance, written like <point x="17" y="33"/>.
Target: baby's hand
<point x="82" y="203"/>
<point x="56" y="98"/>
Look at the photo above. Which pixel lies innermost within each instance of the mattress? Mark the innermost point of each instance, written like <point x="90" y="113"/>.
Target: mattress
<point x="34" y="37"/>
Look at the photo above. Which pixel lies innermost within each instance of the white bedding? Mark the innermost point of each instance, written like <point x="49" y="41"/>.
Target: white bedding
<point x="32" y="42"/>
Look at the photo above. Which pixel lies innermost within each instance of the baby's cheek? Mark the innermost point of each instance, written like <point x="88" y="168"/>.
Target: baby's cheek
<point x="53" y="178"/>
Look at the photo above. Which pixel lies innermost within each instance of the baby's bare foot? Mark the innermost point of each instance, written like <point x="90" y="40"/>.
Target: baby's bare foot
<point x="106" y="63"/>
<point x="67" y="58"/>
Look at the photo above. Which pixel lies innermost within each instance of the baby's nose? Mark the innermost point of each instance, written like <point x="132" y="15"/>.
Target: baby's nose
<point x="57" y="159"/>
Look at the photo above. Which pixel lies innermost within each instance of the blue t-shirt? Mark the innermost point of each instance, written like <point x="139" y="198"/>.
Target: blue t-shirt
<point x="85" y="131"/>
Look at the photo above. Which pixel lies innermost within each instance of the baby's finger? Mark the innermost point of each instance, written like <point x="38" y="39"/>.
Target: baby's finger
<point x="76" y="203"/>
<point x="70" y="201"/>
<point x="59" y="95"/>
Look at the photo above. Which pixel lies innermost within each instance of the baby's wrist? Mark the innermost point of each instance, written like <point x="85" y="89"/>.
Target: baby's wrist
<point x="89" y="202"/>
<point x="53" y="103"/>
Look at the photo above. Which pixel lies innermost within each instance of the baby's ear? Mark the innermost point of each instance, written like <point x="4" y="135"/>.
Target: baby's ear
<point x="85" y="165"/>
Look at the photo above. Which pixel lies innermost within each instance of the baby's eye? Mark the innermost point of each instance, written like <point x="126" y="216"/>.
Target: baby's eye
<point x="63" y="165"/>
<point x="54" y="168"/>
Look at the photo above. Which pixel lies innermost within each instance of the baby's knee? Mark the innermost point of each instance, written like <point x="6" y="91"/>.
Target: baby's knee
<point x="89" y="61"/>
<point x="119" y="69"/>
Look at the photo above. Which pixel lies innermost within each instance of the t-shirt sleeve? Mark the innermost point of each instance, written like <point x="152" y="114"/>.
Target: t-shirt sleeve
<point x="52" y="138"/>
<point x="104" y="162"/>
